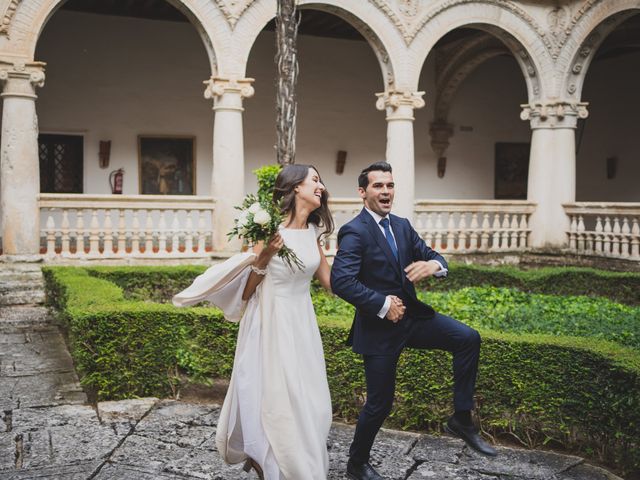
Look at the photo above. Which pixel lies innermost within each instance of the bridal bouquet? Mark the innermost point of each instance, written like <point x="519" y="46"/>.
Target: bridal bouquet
<point x="259" y="220"/>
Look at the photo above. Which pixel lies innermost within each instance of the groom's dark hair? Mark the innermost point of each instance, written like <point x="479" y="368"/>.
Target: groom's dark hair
<point x="363" y="178"/>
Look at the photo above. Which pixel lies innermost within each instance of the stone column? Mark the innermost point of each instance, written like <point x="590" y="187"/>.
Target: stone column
<point x="399" y="106"/>
<point x="552" y="168"/>
<point x="19" y="161"/>
<point x="227" y="183"/>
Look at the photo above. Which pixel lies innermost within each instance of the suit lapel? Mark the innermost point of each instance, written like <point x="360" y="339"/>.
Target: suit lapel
<point x="380" y="239"/>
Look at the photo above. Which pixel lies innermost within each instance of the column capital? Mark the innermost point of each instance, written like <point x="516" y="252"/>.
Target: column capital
<point x="399" y="104"/>
<point x="20" y="79"/>
<point x="219" y="87"/>
<point x="554" y="113"/>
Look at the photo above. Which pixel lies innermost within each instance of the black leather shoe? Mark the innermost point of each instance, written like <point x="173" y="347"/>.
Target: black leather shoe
<point x="471" y="437"/>
<point x="362" y="471"/>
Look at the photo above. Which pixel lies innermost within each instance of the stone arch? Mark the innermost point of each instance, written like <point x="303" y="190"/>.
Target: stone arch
<point x="369" y="22"/>
<point x="590" y="28"/>
<point x="24" y="22"/>
<point x="466" y="59"/>
<point x="504" y="20"/>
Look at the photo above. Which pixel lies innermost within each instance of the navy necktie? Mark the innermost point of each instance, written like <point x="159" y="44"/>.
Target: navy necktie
<point x="390" y="240"/>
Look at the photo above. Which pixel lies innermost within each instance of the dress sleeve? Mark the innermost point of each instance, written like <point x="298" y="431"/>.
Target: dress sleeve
<point x="222" y="285"/>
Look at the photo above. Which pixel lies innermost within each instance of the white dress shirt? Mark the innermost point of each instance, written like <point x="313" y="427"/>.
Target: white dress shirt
<point x="387" y="302"/>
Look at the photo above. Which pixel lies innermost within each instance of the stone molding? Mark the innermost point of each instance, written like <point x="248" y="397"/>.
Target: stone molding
<point x="233" y="9"/>
<point x="410" y="22"/>
<point x="20" y="79"/>
<point x="554" y="114"/>
<point x="393" y="102"/>
<point x="440" y="133"/>
<point x="8" y="16"/>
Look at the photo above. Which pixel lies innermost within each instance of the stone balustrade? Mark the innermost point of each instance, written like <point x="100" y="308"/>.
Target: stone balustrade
<point x="343" y="210"/>
<point x="141" y="226"/>
<point x="455" y="225"/>
<point x="604" y="229"/>
<point x="461" y="226"/>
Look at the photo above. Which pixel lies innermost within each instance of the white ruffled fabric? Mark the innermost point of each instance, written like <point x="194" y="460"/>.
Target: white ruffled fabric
<point x="222" y="285"/>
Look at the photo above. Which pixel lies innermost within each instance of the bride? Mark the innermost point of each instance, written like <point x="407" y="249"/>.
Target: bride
<point x="277" y="412"/>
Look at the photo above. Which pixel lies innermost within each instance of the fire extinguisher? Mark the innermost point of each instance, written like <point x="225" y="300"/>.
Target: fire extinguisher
<point x="115" y="180"/>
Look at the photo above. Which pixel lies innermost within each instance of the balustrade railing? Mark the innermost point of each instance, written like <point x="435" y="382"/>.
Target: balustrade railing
<point x="604" y="229"/>
<point x="108" y="226"/>
<point x="456" y="225"/>
<point x="343" y="210"/>
<point x="459" y="226"/>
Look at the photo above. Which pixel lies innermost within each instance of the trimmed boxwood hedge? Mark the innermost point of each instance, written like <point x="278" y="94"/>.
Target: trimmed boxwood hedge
<point x="160" y="283"/>
<point x="580" y="393"/>
<point x="623" y="287"/>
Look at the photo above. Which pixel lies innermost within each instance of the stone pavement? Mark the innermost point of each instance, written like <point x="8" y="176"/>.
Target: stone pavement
<point x="48" y="431"/>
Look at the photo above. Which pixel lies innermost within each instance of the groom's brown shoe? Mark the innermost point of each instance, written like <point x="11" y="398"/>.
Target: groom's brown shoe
<point x="362" y="471"/>
<point x="470" y="436"/>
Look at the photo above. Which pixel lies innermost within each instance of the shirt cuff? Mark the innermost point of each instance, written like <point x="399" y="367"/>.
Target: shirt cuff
<point x="442" y="272"/>
<point x="385" y="308"/>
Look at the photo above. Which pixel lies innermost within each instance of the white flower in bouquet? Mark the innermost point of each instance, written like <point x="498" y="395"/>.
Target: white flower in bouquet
<point x="255" y="208"/>
<point x="262" y="217"/>
<point x="259" y="222"/>
<point x="242" y="221"/>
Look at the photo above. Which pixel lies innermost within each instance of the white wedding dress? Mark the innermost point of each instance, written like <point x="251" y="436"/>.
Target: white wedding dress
<point x="278" y="409"/>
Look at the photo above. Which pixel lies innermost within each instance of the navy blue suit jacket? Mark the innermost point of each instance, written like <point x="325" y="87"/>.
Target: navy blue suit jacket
<point x="365" y="271"/>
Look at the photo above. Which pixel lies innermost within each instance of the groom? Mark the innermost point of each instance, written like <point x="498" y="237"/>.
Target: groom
<point x="380" y="257"/>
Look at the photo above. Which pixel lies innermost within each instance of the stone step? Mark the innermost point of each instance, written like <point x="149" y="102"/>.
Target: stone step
<point x="21" y="285"/>
<point x="23" y="316"/>
<point x="22" y="297"/>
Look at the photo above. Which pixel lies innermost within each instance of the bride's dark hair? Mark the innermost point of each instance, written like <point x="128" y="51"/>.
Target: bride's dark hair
<point x="285" y="189"/>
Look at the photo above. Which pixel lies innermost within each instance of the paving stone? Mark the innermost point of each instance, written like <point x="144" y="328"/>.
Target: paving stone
<point x="34" y="419"/>
<point x="587" y="472"/>
<point x="529" y="464"/>
<point x="80" y="471"/>
<point x="7" y="451"/>
<point x="125" y="472"/>
<point x="431" y="448"/>
<point x="40" y="390"/>
<point x="177" y="422"/>
<point x="153" y="453"/>
<point x="390" y="455"/>
<point x="35" y="357"/>
<point x="206" y="464"/>
<point x="63" y="435"/>
<point x="447" y="471"/>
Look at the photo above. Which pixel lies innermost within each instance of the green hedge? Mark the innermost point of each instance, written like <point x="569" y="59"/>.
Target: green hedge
<point x="160" y="283"/>
<point x="623" y="287"/>
<point x="582" y="394"/>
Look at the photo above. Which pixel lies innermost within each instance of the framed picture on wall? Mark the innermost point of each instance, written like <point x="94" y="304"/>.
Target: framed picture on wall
<point x="166" y="165"/>
<point x="511" y="171"/>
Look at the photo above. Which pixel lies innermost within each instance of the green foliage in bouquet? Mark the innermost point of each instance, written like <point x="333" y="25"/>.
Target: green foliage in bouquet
<point x="260" y="218"/>
<point x="267" y="181"/>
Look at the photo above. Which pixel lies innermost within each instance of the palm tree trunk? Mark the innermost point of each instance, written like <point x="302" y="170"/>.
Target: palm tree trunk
<point x="287" y="20"/>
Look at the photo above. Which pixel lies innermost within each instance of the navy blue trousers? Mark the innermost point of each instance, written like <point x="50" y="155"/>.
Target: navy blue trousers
<point x="439" y="333"/>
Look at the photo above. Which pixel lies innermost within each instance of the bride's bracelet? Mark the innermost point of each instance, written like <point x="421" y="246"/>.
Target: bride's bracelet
<point x="258" y="271"/>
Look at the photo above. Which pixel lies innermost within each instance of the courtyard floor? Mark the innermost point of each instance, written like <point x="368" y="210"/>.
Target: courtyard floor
<point x="50" y="431"/>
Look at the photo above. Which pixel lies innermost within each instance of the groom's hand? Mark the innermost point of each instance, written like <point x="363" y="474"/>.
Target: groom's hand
<point x="421" y="269"/>
<point x="396" y="310"/>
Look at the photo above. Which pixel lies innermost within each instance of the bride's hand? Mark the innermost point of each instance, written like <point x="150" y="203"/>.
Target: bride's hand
<point x="274" y="246"/>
